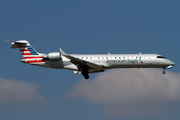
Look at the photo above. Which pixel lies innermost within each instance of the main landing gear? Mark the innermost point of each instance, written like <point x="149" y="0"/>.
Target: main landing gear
<point x="85" y="74"/>
<point x="164" y="71"/>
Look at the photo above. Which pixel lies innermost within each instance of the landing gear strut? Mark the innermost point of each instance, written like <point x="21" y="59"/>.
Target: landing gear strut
<point x="85" y="74"/>
<point x="164" y="71"/>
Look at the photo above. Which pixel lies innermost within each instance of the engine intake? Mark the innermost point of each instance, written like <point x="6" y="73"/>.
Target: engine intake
<point x="54" y="56"/>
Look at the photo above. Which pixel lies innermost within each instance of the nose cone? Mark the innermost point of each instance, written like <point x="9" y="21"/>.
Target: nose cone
<point x="170" y="63"/>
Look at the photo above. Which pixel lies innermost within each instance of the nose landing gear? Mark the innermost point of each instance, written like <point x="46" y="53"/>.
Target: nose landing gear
<point x="164" y="71"/>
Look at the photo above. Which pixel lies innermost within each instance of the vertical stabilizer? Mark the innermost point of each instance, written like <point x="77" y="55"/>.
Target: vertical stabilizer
<point x="29" y="53"/>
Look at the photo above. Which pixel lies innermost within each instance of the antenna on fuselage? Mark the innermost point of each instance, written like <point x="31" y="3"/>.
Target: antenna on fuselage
<point x="109" y="53"/>
<point x="139" y="52"/>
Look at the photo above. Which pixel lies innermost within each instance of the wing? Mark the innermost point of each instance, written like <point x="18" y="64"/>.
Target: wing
<point x="82" y="64"/>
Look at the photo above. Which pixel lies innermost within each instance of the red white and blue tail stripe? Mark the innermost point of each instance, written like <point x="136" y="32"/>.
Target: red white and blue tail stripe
<point x="29" y="53"/>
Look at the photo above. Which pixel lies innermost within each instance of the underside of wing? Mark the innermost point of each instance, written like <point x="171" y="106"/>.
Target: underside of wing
<point x="95" y="71"/>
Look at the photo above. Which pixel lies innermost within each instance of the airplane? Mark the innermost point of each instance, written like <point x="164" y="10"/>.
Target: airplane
<point x="89" y="63"/>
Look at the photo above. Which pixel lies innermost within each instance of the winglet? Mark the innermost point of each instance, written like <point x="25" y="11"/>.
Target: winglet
<point x="63" y="53"/>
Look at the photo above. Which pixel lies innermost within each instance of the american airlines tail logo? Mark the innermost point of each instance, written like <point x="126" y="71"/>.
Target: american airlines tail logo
<point x="27" y="50"/>
<point x="140" y="60"/>
<point x="30" y="54"/>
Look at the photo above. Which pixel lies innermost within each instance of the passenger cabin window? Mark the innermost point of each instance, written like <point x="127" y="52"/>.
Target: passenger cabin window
<point x="160" y="57"/>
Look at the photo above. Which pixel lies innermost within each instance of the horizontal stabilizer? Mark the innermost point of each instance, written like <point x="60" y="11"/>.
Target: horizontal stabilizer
<point x="14" y="43"/>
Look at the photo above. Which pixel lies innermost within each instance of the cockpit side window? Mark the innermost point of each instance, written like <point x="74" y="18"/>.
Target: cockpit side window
<point x="160" y="57"/>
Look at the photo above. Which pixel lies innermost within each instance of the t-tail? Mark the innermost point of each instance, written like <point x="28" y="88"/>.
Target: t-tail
<point x="29" y="53"/>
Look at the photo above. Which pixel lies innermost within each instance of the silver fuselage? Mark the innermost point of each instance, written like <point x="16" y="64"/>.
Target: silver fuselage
<point x="91" y="63"/>
<point x="110" y="61"/>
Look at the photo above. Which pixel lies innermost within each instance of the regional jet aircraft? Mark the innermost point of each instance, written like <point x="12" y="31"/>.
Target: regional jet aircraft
<point x="91" y="63"/>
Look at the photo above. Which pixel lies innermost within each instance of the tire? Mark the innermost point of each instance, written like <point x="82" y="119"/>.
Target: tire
<point x="85" y="74"/>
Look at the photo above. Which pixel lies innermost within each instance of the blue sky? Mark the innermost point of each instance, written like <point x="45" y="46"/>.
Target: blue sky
<point x="88" y="27"/>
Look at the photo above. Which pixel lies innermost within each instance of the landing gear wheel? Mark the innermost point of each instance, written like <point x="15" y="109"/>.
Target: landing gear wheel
<point x="163" y="72"/>
<point x="85" y="74"/>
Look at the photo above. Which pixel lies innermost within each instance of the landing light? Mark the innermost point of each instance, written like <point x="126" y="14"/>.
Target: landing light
<point x="169" y="67"/>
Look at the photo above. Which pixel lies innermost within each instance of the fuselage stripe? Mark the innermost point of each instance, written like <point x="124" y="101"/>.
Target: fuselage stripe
<point x="31" y="57"/>
<point x="22" y="50"/>
<point x="26" y="54"/>
<point x="27" y="50"/>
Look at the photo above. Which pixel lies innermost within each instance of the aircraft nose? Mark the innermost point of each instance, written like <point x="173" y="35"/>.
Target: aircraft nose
<point x="171" y="63"/>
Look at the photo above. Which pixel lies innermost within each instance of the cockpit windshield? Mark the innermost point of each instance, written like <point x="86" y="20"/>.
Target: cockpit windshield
<point x="160" y="57"/>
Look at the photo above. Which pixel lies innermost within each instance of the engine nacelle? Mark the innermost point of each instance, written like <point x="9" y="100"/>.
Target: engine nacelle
<point x="54" y="56"/>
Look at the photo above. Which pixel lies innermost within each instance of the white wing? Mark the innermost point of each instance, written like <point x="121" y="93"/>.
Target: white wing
<point x="82" y="64"/>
